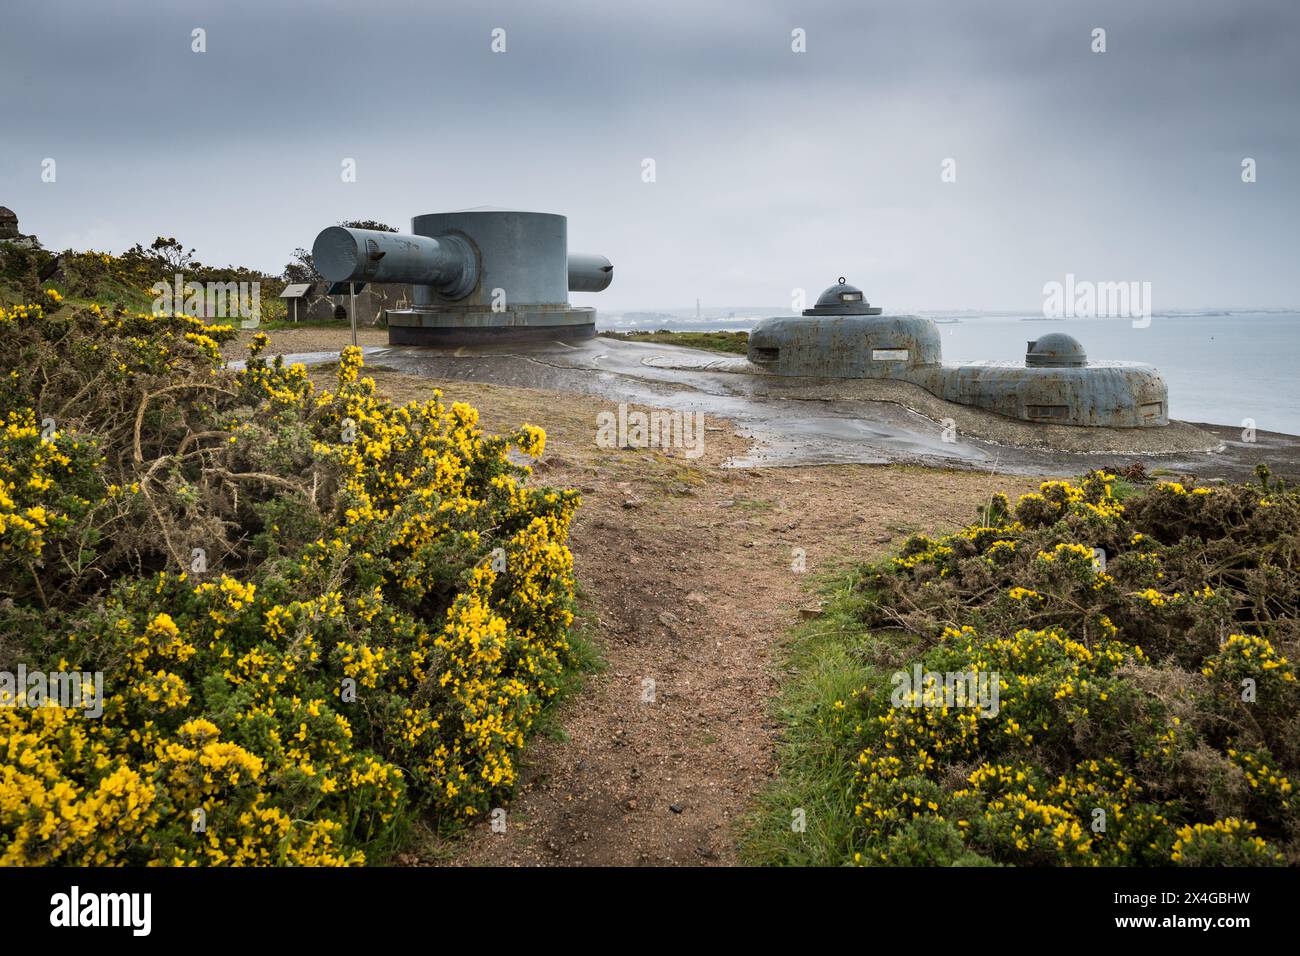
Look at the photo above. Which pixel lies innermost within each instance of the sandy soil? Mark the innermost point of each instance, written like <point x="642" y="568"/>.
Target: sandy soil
<point x="688" y="570"/>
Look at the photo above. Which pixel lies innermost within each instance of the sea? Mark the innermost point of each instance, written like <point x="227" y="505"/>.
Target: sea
<point x="1223" y="367"/>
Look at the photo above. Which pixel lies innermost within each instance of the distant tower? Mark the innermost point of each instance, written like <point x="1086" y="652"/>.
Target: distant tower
<point x="697" y="310"/>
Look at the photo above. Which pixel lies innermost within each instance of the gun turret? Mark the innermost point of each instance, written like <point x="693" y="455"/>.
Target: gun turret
<point x="477" y="275"/>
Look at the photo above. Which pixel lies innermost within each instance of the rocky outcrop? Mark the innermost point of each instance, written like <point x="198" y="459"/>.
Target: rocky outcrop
<point x="9" y="230"/>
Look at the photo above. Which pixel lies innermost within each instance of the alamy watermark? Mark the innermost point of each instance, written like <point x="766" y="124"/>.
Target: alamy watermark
<point x="74" y="908"/>
<point x="76" y="690"/>
<point x="1084" y="299"/>
<point x="953" y="689"/>
<point x="657" y="428"/>
<point x="209" y="300"/>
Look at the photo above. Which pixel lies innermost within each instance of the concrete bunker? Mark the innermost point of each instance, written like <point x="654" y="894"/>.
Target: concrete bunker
<point x="843" y="336"/>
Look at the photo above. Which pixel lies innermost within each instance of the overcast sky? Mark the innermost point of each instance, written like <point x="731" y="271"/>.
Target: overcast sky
<point x="774" y="170"/>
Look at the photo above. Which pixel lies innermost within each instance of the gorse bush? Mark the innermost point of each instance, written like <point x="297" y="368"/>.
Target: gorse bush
<point x="125" y="279"/>
<point x="316" y="613"/>
<point x="1147" y="710"/>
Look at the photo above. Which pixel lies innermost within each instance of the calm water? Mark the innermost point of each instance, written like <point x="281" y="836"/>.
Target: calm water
<point x="1220" y="368"/>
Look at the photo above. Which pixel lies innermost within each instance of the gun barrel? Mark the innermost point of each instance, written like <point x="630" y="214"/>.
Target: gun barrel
<point x="589" y="273"/>
<point x="447" y="263"/>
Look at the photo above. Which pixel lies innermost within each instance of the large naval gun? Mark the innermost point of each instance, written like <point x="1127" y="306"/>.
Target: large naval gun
<point x="479" y="275"/>
<point x="843" y="336"/>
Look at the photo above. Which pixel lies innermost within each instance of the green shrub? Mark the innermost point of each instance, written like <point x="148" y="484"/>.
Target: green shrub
<point x="1141" y="713"/>
<point x="316" y="613"/>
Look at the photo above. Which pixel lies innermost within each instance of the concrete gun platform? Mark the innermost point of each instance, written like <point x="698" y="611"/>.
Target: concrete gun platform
<point x="795" y="421"/>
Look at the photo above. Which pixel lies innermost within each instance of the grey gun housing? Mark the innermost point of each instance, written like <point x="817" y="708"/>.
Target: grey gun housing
<point x="477" y="274"/>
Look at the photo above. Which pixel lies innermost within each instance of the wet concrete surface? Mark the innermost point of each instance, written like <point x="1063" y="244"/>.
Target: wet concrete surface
<point x="792" y="431"/>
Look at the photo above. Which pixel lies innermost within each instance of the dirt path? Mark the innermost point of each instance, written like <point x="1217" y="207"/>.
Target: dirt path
<point x="687" y="567"/>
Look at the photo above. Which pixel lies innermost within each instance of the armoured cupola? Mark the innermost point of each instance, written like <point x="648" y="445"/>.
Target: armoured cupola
<point x="842" y="299"/>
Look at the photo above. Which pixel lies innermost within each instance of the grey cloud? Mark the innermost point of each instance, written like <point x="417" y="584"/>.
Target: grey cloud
<point x="775" y="170"/>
